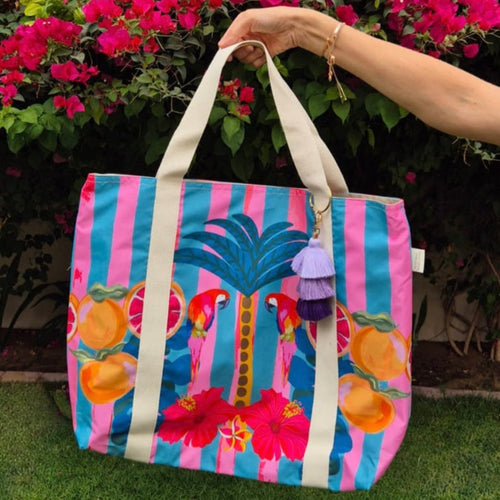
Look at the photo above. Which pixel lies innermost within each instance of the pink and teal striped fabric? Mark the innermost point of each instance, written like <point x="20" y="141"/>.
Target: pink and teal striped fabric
<point x="238" y="377"/>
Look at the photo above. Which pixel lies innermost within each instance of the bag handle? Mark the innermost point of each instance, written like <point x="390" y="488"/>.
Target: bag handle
<point x="316" y="166"/>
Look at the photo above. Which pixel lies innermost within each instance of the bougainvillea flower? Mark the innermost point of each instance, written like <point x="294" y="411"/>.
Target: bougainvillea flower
<point x="189" y="19"/>
<point x="471" y="50"/>
<point x="246" y="94"/>
<point x="72" y="105"/>
<point x="346" y="14"/>
<point x="280" y="427"/>
<point x="157" y="21"/>
<point x="235" y="435"/>
<point x="196" y="418"/>
<point x="66" y="72"/>
<point x="12" y="77"/>
<point x="166" y="6"/>
<point x="95" y="9"/>
<point x="116" y="41"/>
<point x="8" y="92"/>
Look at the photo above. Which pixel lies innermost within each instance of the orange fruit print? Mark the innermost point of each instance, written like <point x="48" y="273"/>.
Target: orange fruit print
<point x="109" y="379"/>
<point x="345" y="329"/>
<point x="363" y="407"/>
<point x="100" y="324"/>
<point x="383" y="354"/>
<point x="71" y="326"/>
<point x="134" y="304"/>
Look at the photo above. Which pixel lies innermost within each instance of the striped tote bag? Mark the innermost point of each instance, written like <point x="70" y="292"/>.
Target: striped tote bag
<point x="193" y="341"/>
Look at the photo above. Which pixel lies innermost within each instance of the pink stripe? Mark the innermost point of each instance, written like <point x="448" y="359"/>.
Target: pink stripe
<point x="219" y="205"/>
<point x="401" y="312"/>
<point x="118" y="273"/>
<point x="297" y="215"/>
<point x="268" y="471"/>
<point x="80" y="274"/>
<point x="354" y="234"/>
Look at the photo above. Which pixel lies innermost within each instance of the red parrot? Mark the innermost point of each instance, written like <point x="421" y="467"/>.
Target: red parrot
<point x="201" y="314"/>
<point x="288" y="321"/>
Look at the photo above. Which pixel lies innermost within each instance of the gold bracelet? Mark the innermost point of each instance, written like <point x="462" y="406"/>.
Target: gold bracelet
<point x="328" y="53"/>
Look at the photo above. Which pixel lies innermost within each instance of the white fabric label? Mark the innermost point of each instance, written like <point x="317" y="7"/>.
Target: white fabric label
<point x="417" y="260"/>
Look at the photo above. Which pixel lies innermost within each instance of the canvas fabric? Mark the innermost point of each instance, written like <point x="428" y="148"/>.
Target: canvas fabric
<point x="184" y="344"/>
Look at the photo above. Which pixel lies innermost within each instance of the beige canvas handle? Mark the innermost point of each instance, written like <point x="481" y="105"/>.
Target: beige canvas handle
<point x="314" y="164"/>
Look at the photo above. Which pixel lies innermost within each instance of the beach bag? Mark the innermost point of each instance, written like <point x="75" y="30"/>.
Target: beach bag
<point x="192" y="340"/>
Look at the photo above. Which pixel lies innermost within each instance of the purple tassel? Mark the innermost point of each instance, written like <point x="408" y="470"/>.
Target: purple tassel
<point x="313" y="262"/>
<point x="314" y="289"/>
<point x="314" y="310"/>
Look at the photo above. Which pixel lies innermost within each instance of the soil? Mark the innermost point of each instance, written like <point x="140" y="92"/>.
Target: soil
<point x="434" y="364"/>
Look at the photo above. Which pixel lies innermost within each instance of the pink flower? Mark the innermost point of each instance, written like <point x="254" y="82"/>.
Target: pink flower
<point x="280" y="427"/>
<point x="189" y="19"/>
<point x="195" y="419"/>
<point x="13" y="172"/>
<point x="72" y="105"/>
<point x="273" y="3"/>
<point x="346" y="14"/>
<point x="246" y="94"/>
<point x="166" y="6"/>
<point x="157" y="21"/>
<point x="117" y="40"/>
<point x="95" y="9"/>
<point x="243" y="110"/>
<point x="471" y="50"/>
<point x="12" y="77"/>
<point x="66" y="72"/>
<point x="410" y="177"/>
<point x="142" y="7"/>
<point x="8" y="92"/>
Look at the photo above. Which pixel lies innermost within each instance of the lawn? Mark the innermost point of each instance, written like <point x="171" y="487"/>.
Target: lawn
<point x="451" y="451"/>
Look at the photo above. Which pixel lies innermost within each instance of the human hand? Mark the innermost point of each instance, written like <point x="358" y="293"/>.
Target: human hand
<point x="274" y="27"/>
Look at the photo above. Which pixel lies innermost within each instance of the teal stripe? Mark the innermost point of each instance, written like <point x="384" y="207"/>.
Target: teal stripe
<point x="221" y="374"/>
<point x="140" y="246"/>
<point x="266" y="329"/>
<point x="378" y="299"/>
<point x="338" y="226"/>
<point x="106" y="194"/>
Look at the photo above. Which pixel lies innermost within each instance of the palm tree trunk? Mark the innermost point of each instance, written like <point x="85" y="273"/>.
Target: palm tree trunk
<point x="246" y="330"/>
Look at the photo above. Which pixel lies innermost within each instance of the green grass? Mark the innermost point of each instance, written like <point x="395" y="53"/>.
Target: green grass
<point x="451" y="451"/>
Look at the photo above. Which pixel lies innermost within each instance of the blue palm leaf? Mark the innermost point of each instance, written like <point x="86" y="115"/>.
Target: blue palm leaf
<point x="227" y="249"/>
<point x="209" y="261"/>
<point x="283" y="238"/>
<point x="283" y="253"/>
<point x="249" y="226"/>
<point x="275" y="273"/>
<point x="273" y="229"/>
<point x="236" y="231"/>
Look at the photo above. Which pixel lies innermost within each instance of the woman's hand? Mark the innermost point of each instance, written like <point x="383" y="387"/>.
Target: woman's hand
<point x="274" y="27"/>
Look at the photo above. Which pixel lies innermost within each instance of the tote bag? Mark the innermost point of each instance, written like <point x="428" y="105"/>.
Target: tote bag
<point x="185" y="346"/>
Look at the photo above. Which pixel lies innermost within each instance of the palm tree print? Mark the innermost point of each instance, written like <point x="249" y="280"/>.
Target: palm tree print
<point x="247" y="261"/>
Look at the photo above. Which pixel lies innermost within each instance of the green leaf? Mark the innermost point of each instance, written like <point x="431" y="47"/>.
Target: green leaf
<point x="277" y="137"/>
<point x="242" y="168"/>
<point x="231" y="126"/>
<point x="29" y="115"/>
<point x="48" y="140"/>
<point x="156" y="149"/>
<point x="134" y="107"/>
<point x="381" y="321"/>
<point x="390" y="113"/>
<point x="314" y="88"/>
<point x="34" y="131"/>
<point x="236" y="140"/>
<point x="263" y="76"/>
<point x="108" y="351"/>
<point x="15" y="142"/>
<point x="394" y="393"/>
<point x="341" y="109"/>
<point x="216" y="114"/>
<point x="82" y="355"/>
<point x="317" y="105"/>
<point x="100" y="292"/>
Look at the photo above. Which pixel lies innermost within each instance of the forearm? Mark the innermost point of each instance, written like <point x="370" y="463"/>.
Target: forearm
<point x="441" y="95"/>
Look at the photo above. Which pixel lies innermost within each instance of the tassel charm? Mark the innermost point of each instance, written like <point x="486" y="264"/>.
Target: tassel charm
<point x="316" y="271"/>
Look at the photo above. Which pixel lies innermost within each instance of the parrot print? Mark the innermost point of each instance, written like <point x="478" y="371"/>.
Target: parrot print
<point x="201" y="314"/>
<point x="287" y="321"/>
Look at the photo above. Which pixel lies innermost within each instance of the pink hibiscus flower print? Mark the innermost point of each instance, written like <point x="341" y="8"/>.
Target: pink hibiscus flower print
<point x="196" y="418"/>
<point x="280" y="427"/>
